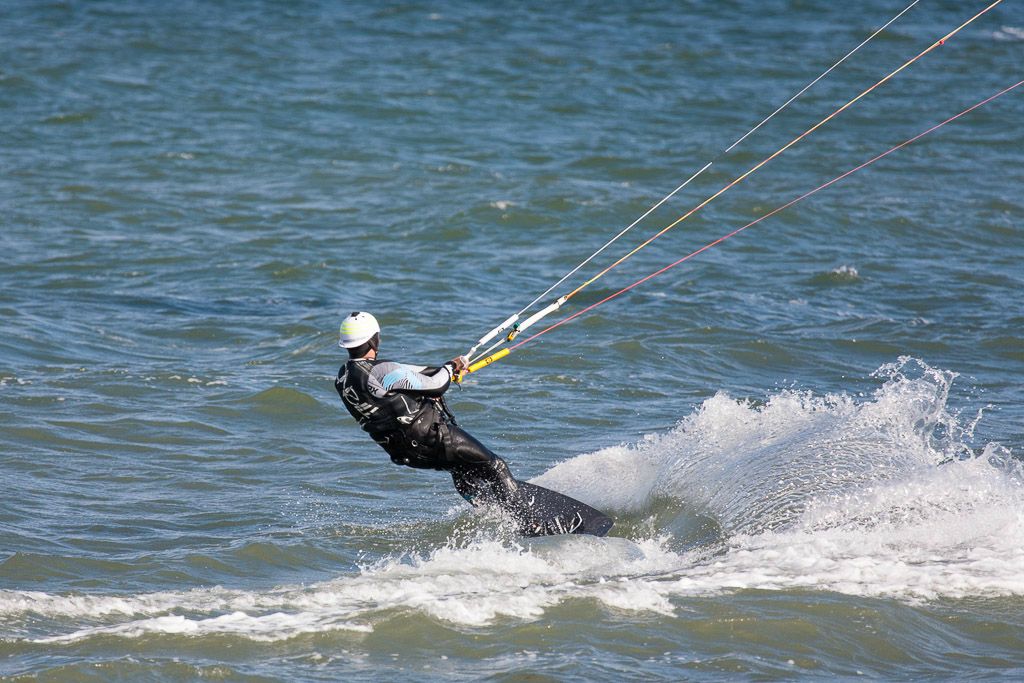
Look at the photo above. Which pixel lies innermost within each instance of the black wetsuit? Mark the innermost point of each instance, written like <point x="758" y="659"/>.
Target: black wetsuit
<point x="402" y="408"/>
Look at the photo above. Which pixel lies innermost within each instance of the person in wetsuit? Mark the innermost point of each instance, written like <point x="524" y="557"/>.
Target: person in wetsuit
<point x="402" y="408"/>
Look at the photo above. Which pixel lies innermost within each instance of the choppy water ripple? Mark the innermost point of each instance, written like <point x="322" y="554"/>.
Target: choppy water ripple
<point x="810" y="435"/>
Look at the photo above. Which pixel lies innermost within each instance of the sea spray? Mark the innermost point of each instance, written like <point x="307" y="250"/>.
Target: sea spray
<point x="756" y="467"/>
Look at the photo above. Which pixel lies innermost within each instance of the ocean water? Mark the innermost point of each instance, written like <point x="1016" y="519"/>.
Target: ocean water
<point x="810" y="435"/>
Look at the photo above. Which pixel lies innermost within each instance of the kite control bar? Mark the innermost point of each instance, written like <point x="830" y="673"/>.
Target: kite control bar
<point x="483" y="363"/>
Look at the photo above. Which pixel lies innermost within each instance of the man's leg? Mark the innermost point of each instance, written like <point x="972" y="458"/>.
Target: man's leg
<point x="480" y="476"/>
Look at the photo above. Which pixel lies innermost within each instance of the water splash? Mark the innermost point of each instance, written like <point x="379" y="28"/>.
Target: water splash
<point x="756" y="467"/>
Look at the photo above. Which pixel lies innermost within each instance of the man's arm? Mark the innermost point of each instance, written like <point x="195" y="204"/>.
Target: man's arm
<point x="412" y="379"/>
<point x="418" y="380"/>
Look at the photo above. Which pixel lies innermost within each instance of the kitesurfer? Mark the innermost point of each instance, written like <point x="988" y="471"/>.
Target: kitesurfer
<point x="402" y="407"/>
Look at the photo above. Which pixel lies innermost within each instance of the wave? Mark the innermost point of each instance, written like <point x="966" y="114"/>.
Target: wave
<point x="864" y="496"/>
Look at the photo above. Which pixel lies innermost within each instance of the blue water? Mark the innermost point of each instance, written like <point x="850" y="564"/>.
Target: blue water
<point x="194" y="194"/>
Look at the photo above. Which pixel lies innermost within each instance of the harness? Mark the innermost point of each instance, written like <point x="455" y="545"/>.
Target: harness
<point x="412" y="429"/>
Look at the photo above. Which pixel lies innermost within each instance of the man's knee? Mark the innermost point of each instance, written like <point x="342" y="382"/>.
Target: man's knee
<point x="491" y="481"/>
<point x="464" y="449"/>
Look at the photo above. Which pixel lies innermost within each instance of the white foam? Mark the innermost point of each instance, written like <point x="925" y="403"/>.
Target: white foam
<point x="268" y="627"/>
<point x="952" y="532"/>
<point x="469" y="586"/>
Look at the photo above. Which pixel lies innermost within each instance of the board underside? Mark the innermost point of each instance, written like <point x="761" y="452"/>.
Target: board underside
<point x="544" y="512"/>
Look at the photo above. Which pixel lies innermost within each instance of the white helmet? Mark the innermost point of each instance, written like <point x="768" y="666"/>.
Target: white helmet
<point x="357" y="329"/>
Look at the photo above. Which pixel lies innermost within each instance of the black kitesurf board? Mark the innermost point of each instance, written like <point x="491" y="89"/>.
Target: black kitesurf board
<point x="543" y="512"/>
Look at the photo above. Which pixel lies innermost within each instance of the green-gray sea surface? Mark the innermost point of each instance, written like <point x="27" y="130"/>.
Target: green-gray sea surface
<point x="193" y="194"/>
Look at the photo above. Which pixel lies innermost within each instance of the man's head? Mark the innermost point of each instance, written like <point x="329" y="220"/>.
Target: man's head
<point x="360" y="334"/>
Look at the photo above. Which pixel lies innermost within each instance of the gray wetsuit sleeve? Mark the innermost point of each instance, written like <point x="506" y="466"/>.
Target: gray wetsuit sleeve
<point x="409" y="379"/>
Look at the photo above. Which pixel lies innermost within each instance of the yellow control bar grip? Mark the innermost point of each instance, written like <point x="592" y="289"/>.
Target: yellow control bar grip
<point x="483" y="363"/>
